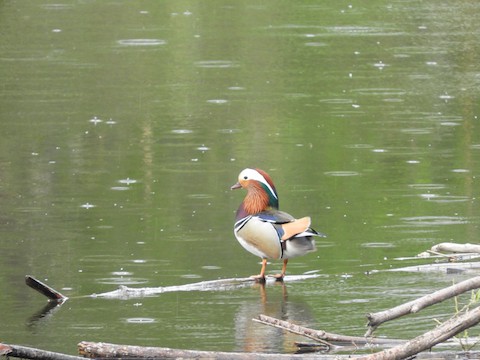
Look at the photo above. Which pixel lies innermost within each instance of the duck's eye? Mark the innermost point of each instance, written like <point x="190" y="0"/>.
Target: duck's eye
<point x="245" y="177"/>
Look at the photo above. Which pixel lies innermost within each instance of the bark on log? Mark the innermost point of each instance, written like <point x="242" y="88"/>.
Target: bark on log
<point x="426" y="341"/>
<point x="456" y="248"/>
<point x="32" y="353"/>
<point x="106" y="350"/>
<point x="375" y="319"/>
<point x="323" y="336"/>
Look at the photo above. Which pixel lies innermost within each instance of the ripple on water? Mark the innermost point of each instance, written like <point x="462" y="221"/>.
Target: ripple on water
<point x="211" y="267"/>
<point x="182" y="131"/>
<point x="417" y="131"/>
<point x="445" y="198"/>
<point x="140" y="320"/>
<point x="120" y="188"/>
<point x="378" y="245"/>
<point x="324" y="244"/>
<point x="427" y="186"/>
<point x="127" y="181"/>
<point x="191" y="276"/>
<point x="200" y="196"/>
<point x="380" y="91"/>
<point x="217" y="101"/>
<point x="335" y="101"/>
<point x="342" y="173"/>
<point x="141" y="42"/>
<point x="228" y="131"/>
<point x="315" y="44"/>
<point x="121" y="281"/>
<point x="216" y="64"/>
<point x="359" y="146"/>
<point x="435" y="220"/>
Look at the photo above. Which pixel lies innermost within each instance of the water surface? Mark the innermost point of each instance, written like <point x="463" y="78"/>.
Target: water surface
<point x="124" y="124"/>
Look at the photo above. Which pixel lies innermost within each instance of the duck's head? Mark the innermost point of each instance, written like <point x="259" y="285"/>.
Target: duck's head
<point x="260" y="188"/>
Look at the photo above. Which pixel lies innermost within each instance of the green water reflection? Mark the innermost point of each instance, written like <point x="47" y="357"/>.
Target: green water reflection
<point x="123" y="125"/>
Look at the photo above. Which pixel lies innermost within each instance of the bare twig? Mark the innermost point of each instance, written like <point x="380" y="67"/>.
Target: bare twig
<point x="431" y="338"/>
<point x="324" y="337"/>
<point x="375" y="319"/>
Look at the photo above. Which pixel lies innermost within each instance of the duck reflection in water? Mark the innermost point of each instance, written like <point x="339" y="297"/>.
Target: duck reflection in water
<point x="251" y="336"/>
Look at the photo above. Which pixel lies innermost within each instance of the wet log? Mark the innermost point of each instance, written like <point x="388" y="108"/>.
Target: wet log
<point x="456" y="248"/>
<point x="375" y="319"/>
<point x="125" y="292"/>
<point x="32" y="353"/>
<point x="324" y="337"/>
<point x="106" y="350"/>
<point x="426" y="341"/>
<point x="50" y="293"/>
<point x="446" y="268"/>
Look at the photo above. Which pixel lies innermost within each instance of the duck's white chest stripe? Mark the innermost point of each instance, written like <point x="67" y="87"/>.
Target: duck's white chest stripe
<point x="241" y="223"/>
<point x="258" y="237"/>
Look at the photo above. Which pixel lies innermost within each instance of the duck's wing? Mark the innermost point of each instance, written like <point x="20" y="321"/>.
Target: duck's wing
<point x="275" y="216"/>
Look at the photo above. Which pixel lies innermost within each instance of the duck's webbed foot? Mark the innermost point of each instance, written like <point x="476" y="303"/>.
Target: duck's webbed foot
<point x="259" y="278"/>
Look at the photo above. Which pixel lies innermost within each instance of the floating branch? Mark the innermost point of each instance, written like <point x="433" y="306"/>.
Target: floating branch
<point x="125" y="292"/>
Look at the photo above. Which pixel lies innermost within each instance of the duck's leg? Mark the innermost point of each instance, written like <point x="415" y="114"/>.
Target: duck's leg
<point x="261" y="277"/>
<point x="279" y="277"/>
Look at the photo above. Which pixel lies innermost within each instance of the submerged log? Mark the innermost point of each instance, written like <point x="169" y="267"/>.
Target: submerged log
<point x="375" y="319"/>
<point x="125" y="292"/>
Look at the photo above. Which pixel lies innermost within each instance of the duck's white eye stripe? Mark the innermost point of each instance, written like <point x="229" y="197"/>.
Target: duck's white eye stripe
<point x="255" y="175"/>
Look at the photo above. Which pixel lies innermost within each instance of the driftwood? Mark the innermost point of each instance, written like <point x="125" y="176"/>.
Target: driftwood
<point x="426" y="341"/>
<point x="106" y="350"/>
<point x="405" y="349"/>
<point x="375" y="319"/>
<point x="324" y="337"/>
<point x="52" y="294"/>
<point x="32" y="353"/>
<point x="125" y="292"/>
<point x="446" y="268"/>
<point x="456" y="248"/>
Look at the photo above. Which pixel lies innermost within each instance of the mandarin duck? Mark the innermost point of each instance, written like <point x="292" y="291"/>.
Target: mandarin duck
<point x="264" y="230"/>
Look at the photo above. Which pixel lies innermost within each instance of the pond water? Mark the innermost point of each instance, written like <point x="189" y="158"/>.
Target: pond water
<point x="124" y="124"/>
